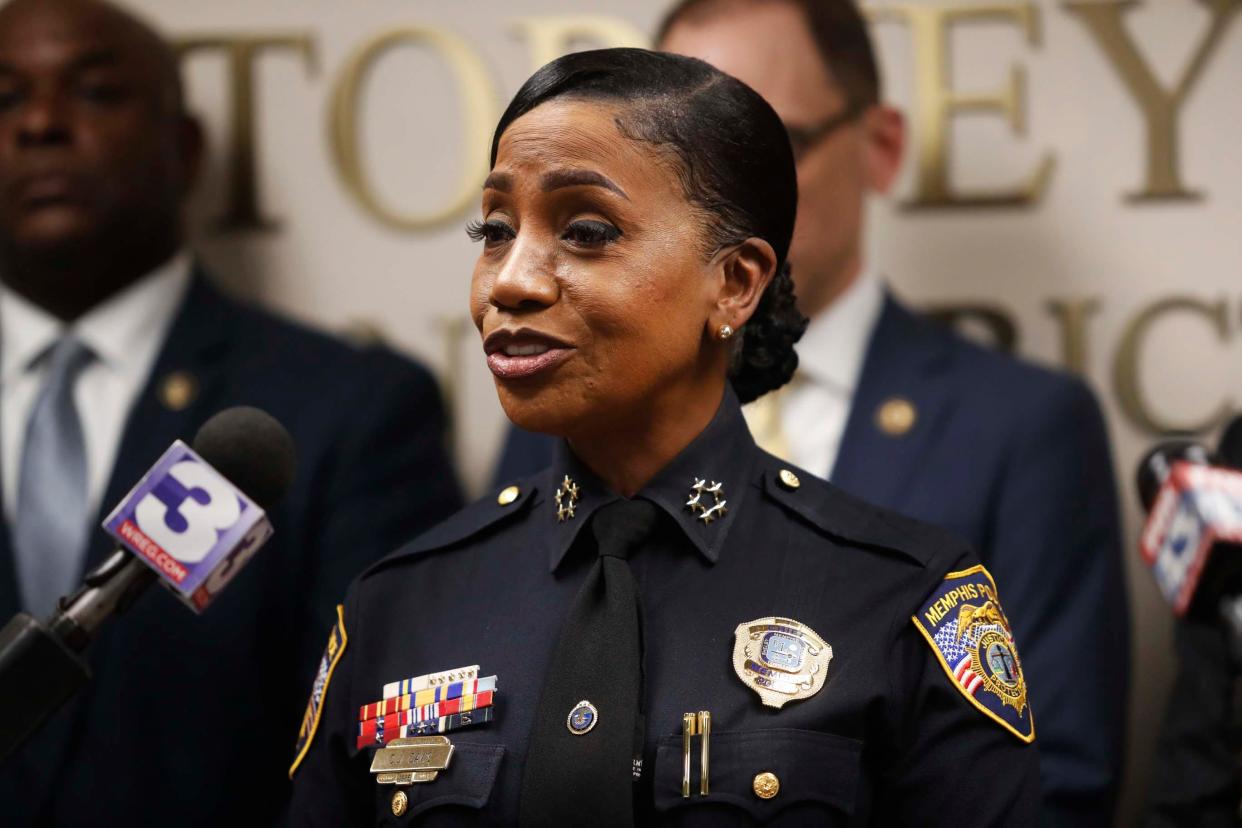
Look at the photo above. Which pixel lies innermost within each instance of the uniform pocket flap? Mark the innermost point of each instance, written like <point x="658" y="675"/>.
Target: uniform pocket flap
<point x="467" y="782"/>
<point x="806" y="766"/>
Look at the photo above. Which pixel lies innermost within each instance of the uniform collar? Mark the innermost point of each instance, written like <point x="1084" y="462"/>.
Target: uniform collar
<point x="723" y="453"/>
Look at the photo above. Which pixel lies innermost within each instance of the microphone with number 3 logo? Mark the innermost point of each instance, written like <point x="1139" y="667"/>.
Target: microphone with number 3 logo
<point x="192" y="522"/>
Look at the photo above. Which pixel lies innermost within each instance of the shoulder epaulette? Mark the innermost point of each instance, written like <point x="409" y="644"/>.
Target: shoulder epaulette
<point x="501" y="505"/>
<point x="847" y="518"/>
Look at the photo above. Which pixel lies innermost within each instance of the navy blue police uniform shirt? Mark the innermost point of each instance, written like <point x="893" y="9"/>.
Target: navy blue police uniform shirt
<point x="188" y="720"/>
<point x="1014" y="459"/>
<point x="902" y="727"/>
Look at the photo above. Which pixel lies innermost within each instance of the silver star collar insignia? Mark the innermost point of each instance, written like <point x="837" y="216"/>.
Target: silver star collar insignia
<point x="707" y="500"/>
<point x="566" y="500"/>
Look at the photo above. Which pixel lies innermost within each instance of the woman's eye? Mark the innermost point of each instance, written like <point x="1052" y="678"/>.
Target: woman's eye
<point x="489" y="232"/>
<point x="591" y="233"/>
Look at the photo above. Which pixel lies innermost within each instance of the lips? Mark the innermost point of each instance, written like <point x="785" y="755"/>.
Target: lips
<point x="46" y="188"/>
<point x="524" y="353"/>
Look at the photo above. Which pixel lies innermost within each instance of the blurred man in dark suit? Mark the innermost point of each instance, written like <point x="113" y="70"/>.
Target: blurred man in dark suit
<point x="912" y="417"/>
<point x="113" y="343"/>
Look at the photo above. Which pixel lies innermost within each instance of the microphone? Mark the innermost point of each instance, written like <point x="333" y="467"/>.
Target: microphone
<point x="192" y="522"/>
<point x="1230" y="447"/>
<point x="1195" y="517"/>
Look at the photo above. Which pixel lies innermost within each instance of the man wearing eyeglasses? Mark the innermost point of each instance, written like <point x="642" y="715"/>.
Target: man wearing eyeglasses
<point x="905" y="414"/>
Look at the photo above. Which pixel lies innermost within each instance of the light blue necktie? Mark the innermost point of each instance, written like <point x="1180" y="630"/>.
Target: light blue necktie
<point x="51" y="527"/>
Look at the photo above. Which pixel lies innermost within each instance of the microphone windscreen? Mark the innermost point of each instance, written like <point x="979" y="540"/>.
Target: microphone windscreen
<point x="1230" y="449"/>
<point x="252" y="450"/>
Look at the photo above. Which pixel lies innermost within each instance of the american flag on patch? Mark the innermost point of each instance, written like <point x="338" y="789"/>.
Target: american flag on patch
<point x="958" y="657"/>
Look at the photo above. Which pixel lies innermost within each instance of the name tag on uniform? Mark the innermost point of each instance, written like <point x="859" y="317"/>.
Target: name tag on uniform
<point x="407" y="761"/>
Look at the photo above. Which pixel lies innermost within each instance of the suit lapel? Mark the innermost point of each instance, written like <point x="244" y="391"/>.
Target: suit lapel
<point x="900" y="404"/>
<point x="179" y="395"/>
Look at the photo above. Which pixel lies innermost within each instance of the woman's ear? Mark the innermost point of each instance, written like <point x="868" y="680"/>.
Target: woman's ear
<point x="747" y="270"/>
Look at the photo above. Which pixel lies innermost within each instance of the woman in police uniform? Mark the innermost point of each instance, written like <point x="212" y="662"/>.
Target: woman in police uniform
<point x="668" y="625"/>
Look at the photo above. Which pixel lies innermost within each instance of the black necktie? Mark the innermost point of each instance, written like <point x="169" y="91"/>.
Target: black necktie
<point x="587" y="778"/>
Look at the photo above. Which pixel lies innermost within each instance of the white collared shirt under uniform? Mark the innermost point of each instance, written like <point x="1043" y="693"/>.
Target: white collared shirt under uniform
<point x="125" y="334"/>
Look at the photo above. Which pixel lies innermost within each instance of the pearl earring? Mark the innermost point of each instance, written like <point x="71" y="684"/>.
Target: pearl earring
<point x="725" y="332"/>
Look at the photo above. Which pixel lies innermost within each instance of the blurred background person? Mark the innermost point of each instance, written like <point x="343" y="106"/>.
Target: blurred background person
<point x="113" y="343"/>
<point x="1197" y="774"/>
<point x="907" y="415"/>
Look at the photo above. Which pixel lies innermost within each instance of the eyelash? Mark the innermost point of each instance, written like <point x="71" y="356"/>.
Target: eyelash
<point x="484" y="230"/>
<point x="591" y="233"/>
<point x="585" y="233"/>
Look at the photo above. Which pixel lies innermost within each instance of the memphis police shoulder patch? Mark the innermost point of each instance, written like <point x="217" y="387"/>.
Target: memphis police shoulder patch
<point x="319" y="690"/>
<point x="963" y="621"/>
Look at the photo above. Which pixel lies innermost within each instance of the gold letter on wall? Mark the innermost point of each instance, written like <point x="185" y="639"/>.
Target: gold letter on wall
<point x="551" y="36"/>
<point x="242" y="210"/>
<point x="1160" y="107"/>
<point x="1072" y="315"/>
<point x="1126" y="364"/>
<point x="936" y="101"/>
<point x="477" y="101"/>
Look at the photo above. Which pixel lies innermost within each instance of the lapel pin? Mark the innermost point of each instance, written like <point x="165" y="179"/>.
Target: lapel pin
<point x="177" y="390"/>
<point x="896" y="416"/>
<point x="582" y="719"/>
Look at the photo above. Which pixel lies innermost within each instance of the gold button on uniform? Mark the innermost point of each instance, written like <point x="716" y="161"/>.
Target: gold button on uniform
<point x="896" y="416"/>
<point x="400" y="802"/>
<point x="766" y="785"/>
<point x="789" y="480"/>
<point x="508" y="495"/>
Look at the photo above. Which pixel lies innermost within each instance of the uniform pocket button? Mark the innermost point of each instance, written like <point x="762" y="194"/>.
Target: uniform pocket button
<point x="766" y="785"/>
<point x="400" y="802"/>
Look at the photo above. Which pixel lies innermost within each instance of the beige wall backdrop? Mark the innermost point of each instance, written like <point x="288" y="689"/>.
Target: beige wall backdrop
<point x="1075" y="176"/>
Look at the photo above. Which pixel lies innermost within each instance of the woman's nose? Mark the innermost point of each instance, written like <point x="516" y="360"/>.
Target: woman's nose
<point x="525" y="282"/>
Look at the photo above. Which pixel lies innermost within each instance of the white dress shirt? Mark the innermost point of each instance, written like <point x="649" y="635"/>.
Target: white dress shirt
<point x="815" y="406"/>
<point x="125" y="333"/>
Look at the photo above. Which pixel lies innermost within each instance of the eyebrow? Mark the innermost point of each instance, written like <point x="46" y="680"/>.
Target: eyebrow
<point x="88" y="60"/>
<point x="94" y="58"/>
<point x="557" y="179"/>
